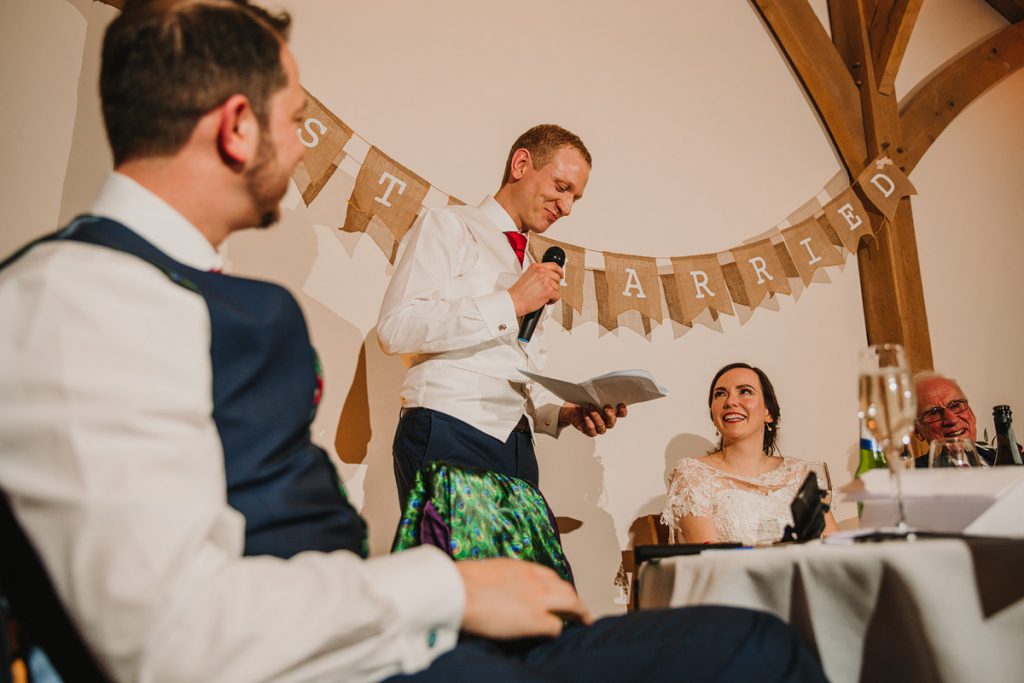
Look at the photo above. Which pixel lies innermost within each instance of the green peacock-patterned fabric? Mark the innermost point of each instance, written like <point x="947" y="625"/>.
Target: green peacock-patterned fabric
<point x="474" y="514"/>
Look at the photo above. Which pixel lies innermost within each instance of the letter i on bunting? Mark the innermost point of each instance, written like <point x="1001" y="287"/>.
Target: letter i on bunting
<point x="324" y="136"/>
<point x="385" y="201"/>
<point x="697" y="285"/>
<point x="631" y="283"/>
<point x="572" y="274"/>
<point x="760" y="271"/>
<point x="810" y="248"/>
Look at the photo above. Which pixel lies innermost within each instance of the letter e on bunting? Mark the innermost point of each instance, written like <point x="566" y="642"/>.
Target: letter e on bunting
<point x="698" y="285"/>
<point x="385" y="201"/>
<point x="761" y="271"/>
<point x="848" y="217"/>
<point x="324" y="136"/>
<point x="631" y="284"/>
<point x="810" y="248"/>
<point x="572" y="274"/>
<point x="884" y="184"/>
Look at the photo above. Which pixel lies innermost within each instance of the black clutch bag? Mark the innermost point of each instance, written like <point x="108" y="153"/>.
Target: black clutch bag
<point x="808" y="510"/>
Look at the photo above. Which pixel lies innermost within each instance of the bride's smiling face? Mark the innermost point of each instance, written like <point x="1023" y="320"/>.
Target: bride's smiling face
<point x="738" y="407"/>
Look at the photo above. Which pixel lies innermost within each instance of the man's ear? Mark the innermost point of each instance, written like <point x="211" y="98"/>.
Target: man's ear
<point x="238" y="133"/>
<point x="521" y="161"/>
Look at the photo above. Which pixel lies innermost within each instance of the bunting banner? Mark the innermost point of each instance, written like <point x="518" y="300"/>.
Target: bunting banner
<point x="638" y="292"/>
<point x="625" y="290"/>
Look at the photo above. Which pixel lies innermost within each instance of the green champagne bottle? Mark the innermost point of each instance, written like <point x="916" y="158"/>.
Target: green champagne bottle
<point x="871" y="457"/>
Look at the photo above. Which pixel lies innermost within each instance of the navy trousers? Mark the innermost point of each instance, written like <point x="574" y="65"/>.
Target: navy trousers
<point x="704" y="643"/>
<point x="426" y="435"/>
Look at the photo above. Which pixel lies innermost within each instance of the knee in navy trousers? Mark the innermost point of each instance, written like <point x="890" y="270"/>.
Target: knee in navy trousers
<point x="704" y="643"/>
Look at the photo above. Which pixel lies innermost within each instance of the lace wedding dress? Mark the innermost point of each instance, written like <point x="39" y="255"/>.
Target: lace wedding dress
<point x="747" y="510"/>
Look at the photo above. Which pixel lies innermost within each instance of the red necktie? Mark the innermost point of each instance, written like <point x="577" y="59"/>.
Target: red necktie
<point x="518" y="242"/>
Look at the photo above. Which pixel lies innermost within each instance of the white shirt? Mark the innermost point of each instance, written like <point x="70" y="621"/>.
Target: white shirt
<point x="112" y="463"/>
<point x="448" y="310"/>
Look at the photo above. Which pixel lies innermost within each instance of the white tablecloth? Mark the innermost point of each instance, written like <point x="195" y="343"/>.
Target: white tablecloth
<point x="932" y="610"/>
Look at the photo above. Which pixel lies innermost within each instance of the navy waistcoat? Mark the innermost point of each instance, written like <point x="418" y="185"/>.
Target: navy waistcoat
<point x="265" y="385"/>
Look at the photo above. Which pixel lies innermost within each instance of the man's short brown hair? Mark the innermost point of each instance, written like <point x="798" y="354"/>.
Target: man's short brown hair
<point x="542" y="142"/>
<point x="166" y="63"/>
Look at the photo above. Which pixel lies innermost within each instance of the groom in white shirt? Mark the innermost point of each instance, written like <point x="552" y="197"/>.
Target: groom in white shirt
<point x="462" y="284"/>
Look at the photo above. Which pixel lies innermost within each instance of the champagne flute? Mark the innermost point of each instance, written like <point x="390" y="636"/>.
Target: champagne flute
<point x="953" y="452"/>
<point x="888" y="407"/>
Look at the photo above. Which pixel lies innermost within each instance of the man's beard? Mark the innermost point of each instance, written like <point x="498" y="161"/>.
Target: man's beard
<point x="263" y="183"/>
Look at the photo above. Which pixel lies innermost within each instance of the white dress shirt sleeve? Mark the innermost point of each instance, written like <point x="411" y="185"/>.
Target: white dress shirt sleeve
<point x="113" y="465"/>
<point x="421" y="313"/>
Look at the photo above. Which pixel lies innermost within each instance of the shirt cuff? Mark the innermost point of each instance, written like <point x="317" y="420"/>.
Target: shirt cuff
<point x="429" y="597"/>
<point x="498" y="313"/>
<point x="545" y="420"/>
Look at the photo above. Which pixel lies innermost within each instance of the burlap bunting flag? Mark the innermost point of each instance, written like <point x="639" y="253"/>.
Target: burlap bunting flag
<point x="810" y="248"/>
<point x="573" y="274"/>
<point x="848" y="218"/>
<point x="325" y="137"/>
<point x="632" y="284"/>
<point x="760" y="271"/>
<point x="385" y="201"/>
<point x="696" y="285"/>
<point x="884" y="184"/>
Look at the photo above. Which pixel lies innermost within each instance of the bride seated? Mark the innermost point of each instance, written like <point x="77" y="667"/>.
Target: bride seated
<point x="741" y="492"/>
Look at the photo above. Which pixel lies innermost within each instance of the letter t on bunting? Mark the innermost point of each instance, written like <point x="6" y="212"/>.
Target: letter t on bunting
<point x="324" y="136"/>
<point x="385" y="201"/>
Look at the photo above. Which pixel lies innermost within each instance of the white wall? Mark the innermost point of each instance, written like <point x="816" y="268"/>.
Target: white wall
<point x="701" y="139"/>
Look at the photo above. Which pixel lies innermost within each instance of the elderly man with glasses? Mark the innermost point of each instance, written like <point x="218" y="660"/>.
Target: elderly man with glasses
<point x="943" y="412"/>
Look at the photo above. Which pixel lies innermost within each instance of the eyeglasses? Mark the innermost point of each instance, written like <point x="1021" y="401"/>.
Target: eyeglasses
<point x="935" y="414"/>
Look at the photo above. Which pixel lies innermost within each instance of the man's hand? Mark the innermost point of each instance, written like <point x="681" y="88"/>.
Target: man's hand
<point x="508" y="598"/>
<point x="539" y="284"/>
<point x="588" y="419"/>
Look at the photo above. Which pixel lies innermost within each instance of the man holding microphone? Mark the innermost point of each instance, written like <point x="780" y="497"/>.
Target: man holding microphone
<point x="455" y="305"/>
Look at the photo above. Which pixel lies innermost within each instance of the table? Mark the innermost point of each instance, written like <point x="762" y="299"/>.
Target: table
<point x="929" y="610"/>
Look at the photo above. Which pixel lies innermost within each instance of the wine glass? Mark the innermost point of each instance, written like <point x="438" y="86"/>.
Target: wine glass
<point x="953" y="452"/>
<point x="888" y="407"/>
<point x="820" y="470"/>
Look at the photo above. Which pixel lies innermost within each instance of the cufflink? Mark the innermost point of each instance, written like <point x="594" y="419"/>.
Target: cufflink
<point x="432" y="637"/>
<point x="502" y="327"/>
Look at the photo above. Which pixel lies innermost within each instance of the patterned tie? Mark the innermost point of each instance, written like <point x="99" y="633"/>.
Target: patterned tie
<point x="518" y="242"/>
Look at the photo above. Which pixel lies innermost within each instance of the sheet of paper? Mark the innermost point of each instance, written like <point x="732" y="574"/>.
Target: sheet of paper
<point x="621" y="386"/>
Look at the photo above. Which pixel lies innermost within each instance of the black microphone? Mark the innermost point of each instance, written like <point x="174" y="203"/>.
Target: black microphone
<point x="552" y="255"/>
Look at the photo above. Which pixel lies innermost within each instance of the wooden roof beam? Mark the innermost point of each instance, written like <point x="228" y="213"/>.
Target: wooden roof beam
<point x="824" y="75"/>
<point x="890" y="24"/>
<point x="932" y="106"/>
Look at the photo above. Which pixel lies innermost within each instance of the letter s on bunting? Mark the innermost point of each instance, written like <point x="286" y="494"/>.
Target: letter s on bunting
<point x="324" y="136"/>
